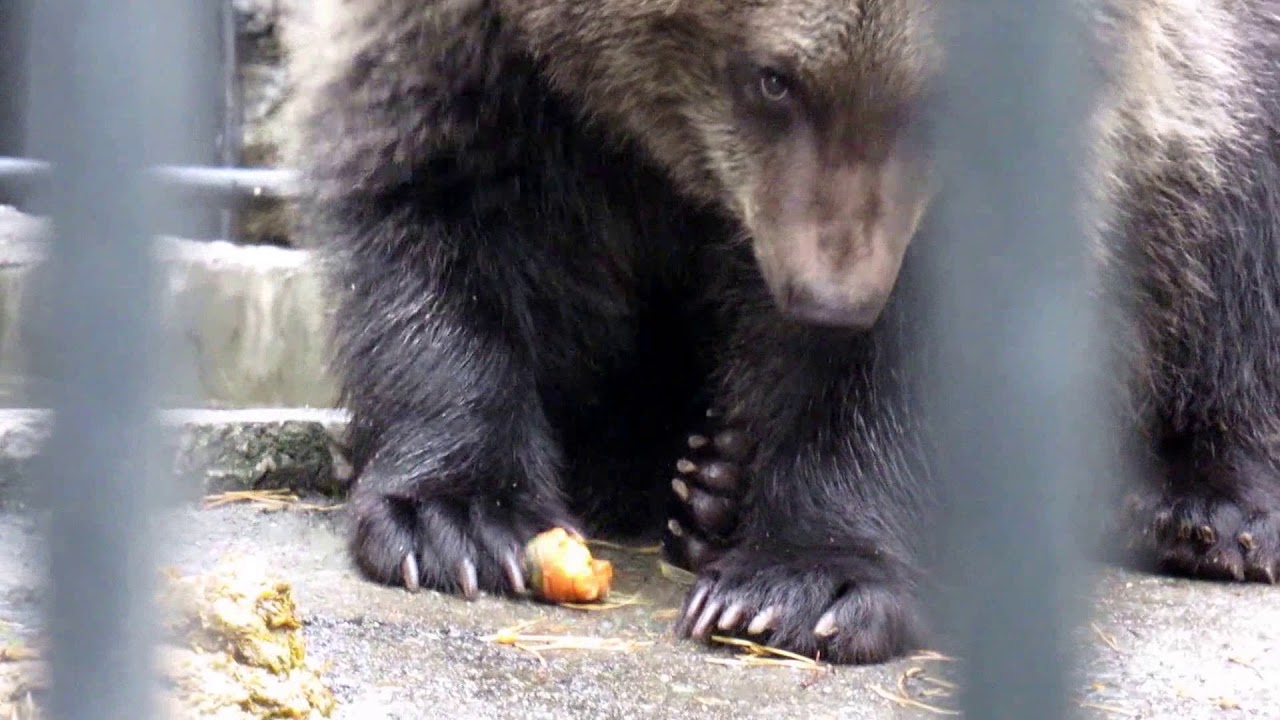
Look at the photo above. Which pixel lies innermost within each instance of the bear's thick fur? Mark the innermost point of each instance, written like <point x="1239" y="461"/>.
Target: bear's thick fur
<point x="560" y="230"/>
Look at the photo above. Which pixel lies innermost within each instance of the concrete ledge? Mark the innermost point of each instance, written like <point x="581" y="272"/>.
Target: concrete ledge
<point x="210" y="450"/>
<point x="247" y="325"/>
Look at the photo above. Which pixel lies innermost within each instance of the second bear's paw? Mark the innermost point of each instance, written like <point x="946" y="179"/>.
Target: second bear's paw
<point x="836" y="607"/>
<point x="1202" y="536"/>
<point x="708" y="487"/>
<point x="462" y="546"/>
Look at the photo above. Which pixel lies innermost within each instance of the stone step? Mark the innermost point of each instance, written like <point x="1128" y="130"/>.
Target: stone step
<point x="246" y="326"/>
<point x="208" y="451"/>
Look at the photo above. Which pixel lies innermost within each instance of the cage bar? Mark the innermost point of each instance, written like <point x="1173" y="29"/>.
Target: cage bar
<point x="108" y="94"/>
<point x="1012" y="396"/>
<point x="214" y="185"/>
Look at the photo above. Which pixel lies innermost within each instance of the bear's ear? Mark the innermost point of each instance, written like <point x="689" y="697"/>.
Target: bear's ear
<point x="383" y="86"/>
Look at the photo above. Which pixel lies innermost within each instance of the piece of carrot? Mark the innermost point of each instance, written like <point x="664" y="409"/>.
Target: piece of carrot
<point x="561" y="569"/>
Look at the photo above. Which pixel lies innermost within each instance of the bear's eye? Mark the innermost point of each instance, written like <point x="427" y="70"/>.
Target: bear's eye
<point x="773" y="86"/>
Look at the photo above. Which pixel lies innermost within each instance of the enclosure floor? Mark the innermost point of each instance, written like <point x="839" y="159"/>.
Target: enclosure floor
<point x="1158" y="647"/>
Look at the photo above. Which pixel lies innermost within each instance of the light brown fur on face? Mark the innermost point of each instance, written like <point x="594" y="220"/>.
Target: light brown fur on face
<point x="830" y="202"/>
<point x="831" y="197"/>
<point x="829" y="233"/>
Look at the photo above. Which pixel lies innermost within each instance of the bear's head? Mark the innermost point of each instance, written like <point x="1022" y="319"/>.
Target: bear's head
<point x="822" y="151"/>
<point x="800" y="118"/>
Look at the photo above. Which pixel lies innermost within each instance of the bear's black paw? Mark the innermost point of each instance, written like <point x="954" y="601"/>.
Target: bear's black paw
<point x="462" y="546"/>
<point x="837" y="607"/>
<point x="1201" y="535"/>
<point x="708" y="488"/>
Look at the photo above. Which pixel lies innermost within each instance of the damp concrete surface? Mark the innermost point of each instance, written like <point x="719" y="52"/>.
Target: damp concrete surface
<point x="1156" y="648"/>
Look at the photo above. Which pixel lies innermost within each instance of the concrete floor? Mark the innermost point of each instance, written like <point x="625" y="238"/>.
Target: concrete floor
<point x="1161" y="647"/>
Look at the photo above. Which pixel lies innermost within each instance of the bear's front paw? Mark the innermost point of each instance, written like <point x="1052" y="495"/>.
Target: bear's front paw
<point x="842" y="608"/>
<point x="455" y="545"/>
<point x="1203" y="536"/>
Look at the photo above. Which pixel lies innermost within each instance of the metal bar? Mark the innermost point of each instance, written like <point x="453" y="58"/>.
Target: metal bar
<point x="216" y="185"/>
<point x="227" y="185"/>
<point x="108" y="99"/>
<point x="1012" y="396"/>
<point x="20" y="174"/>
<point x="13" y="74"/>
<point x="230" y="137"/>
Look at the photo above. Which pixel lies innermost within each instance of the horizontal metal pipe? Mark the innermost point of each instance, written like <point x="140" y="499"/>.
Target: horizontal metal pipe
<point x="21" y="174"/>
<point x="213" y="184"/>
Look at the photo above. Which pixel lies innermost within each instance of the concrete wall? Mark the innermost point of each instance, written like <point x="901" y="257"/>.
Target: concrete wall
<point x="248" y="324"/>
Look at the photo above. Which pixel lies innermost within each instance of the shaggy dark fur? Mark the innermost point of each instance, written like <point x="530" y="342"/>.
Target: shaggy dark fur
<point x="537" y="212"/>
<point x="1196" y="240"/>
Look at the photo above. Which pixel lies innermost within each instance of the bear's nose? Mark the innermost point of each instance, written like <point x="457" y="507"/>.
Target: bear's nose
<point x="819" y="305"/>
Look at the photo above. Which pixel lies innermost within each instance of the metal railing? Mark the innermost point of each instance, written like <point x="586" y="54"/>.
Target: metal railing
<point x="102" y="82"/>
<point x="224" y="187"/>
<point x="219" y="186"/>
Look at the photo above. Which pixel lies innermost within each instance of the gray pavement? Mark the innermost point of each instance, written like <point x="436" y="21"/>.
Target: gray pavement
<point x="1161" y="647"/>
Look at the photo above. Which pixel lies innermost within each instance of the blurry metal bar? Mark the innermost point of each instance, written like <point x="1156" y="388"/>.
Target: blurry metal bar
<point x="1012" y="397"/>
<point x="108" y="99"/>
<point x="227" y="185"/>
<point x="22" y="175"/>
<point x="230" y="136"/>
<point x="13" y="74"/>
<point x="215" y="185"/>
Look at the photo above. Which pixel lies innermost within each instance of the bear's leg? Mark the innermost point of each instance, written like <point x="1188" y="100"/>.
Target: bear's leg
<point x="824" y="557"/>
<point x="463" y="360"/>
<point x="500" y="272"/>
<point x="1204" y="282"/>
<point x="457" y="465"/>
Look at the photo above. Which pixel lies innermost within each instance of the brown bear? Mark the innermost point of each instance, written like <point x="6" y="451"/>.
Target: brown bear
<point x="559" y="230"/>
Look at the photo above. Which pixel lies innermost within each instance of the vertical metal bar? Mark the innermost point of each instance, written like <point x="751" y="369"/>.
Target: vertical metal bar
<point x="13" y="83"/>
<point x="230" y="139"/>
<point x="109" y="98"/>
<point x="1013" y="400"/>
